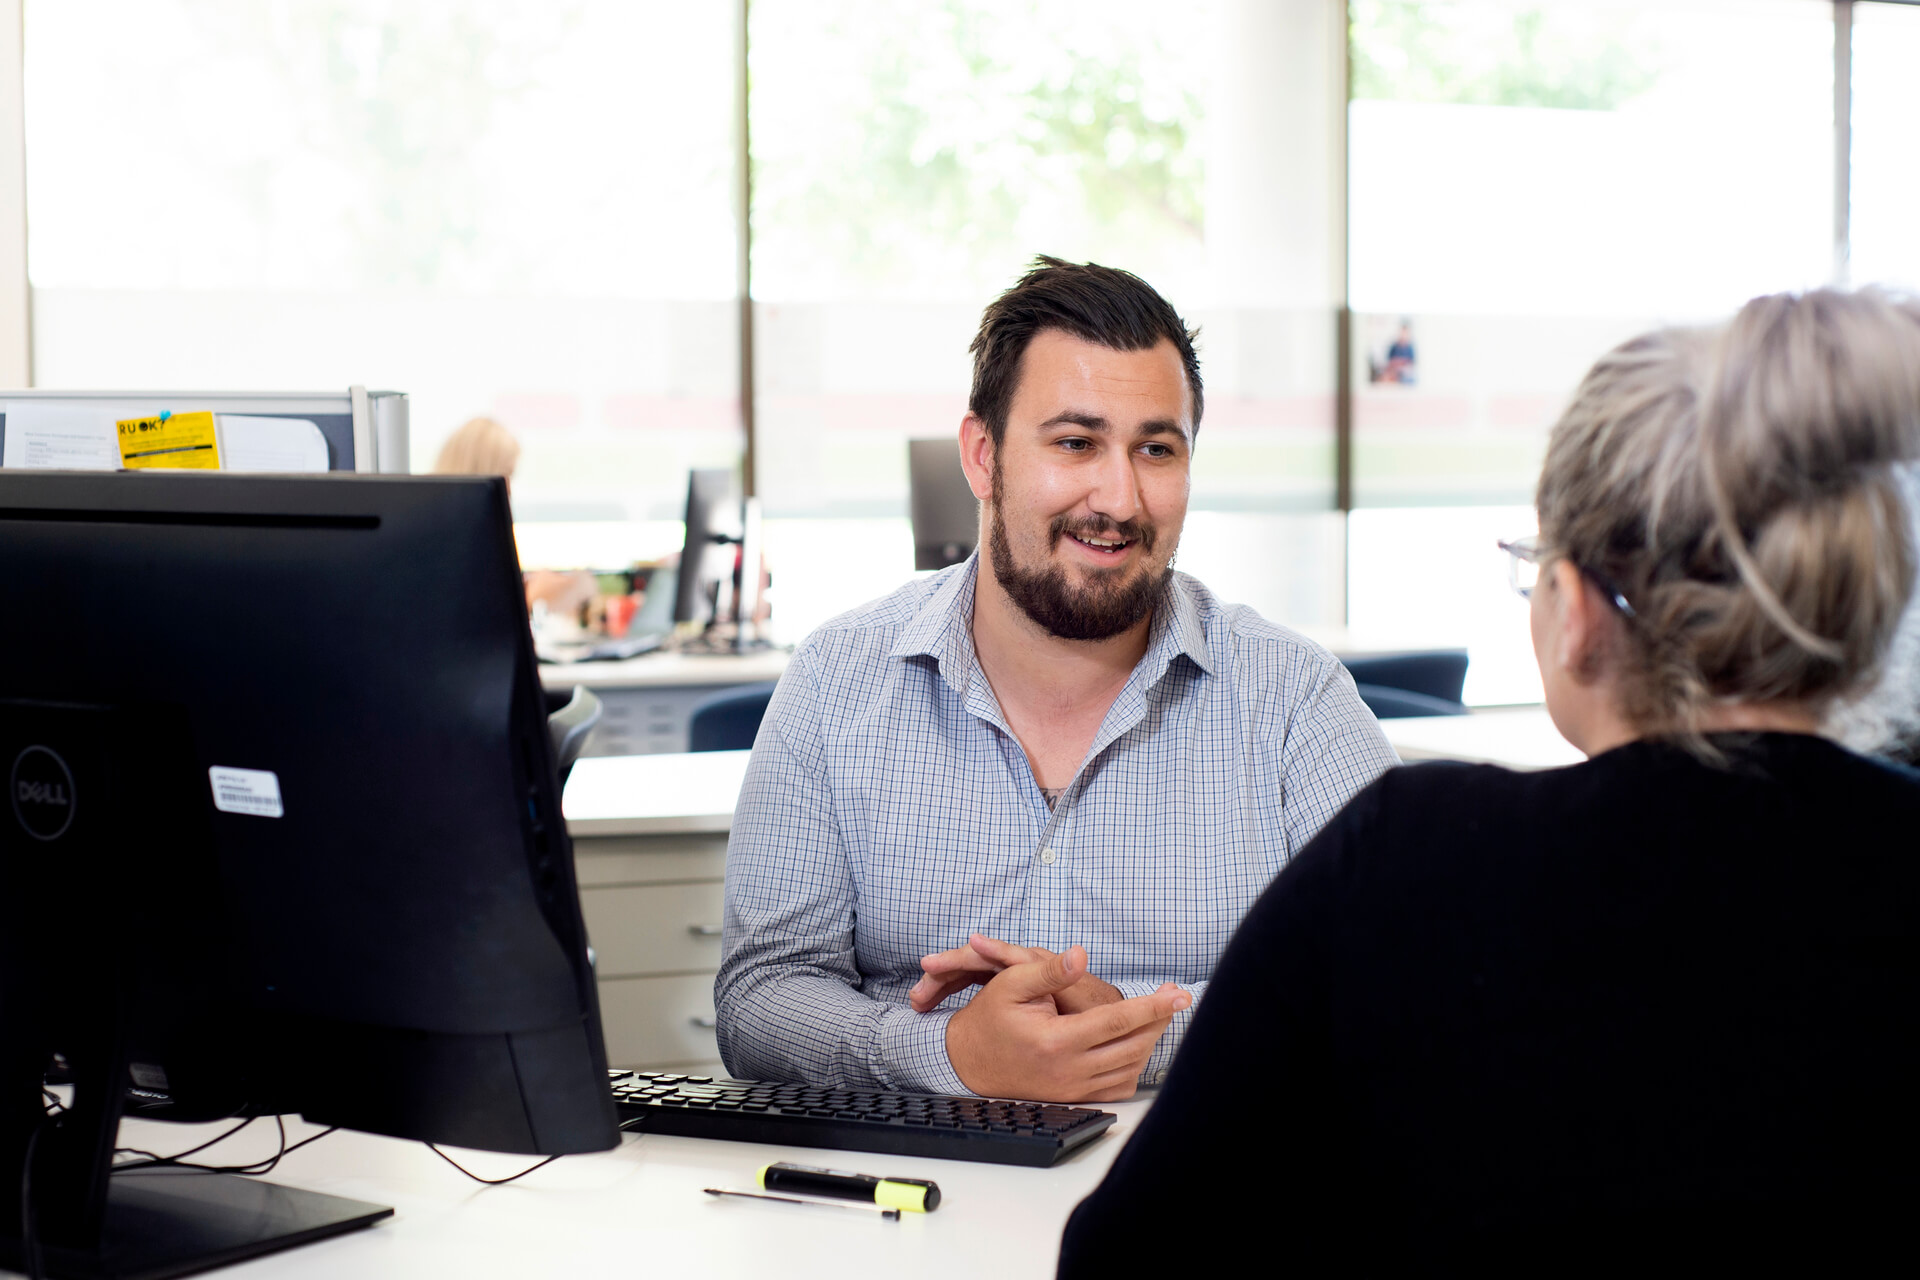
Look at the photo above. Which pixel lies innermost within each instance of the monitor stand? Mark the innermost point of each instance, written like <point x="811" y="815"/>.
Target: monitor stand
<point x="174" y="1222"/>
<point x="94" y="1223"/>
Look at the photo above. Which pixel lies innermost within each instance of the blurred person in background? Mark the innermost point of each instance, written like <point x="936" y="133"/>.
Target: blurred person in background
<point x="1660" y="1005"/>
<point x="480" y="447"/>
<point x="483" y="447"/>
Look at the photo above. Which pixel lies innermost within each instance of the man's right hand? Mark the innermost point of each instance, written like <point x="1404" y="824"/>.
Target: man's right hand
<point x="1010" y="1041"/>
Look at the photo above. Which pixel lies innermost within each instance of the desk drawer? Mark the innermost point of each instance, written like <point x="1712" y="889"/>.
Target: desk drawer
<point x="612" y="861"/>
<point x="656" y="928"/>
<point x="653" y="1022"/>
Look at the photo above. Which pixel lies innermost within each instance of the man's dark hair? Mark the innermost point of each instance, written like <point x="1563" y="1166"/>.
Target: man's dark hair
<point x="1114" y="308"/>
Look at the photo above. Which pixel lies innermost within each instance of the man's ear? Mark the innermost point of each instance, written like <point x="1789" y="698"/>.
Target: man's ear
<point x="976" y="456"/>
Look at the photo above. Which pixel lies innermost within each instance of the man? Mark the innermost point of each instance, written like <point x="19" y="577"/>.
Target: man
<point x="1059" y="772"/>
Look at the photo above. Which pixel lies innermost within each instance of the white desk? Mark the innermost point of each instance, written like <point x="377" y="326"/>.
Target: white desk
<point x="647" y="699"/>
<point x="639" y="1211"/>
<point x="654" y="795"/>
<point x="1517" y="737"/>
<point x="669" y="670"/>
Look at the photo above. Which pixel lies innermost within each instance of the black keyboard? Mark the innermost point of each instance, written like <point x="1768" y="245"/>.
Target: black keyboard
<point x="898" y="1124"/>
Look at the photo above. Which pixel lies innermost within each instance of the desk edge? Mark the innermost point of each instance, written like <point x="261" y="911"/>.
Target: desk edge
<point x="670" y="825"/>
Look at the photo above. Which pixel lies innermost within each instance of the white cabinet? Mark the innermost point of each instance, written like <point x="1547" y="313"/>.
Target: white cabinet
<point x="652" y="907"/>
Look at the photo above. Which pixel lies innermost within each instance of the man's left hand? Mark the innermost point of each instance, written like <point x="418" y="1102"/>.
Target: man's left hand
<point x="983" y="957"/>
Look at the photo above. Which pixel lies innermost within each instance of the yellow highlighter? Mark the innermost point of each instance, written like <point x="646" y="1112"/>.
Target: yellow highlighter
<point x="915" y="1195"/>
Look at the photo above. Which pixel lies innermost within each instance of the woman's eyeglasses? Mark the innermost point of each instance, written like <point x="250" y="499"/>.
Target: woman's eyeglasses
<point x="1523" y="573"/>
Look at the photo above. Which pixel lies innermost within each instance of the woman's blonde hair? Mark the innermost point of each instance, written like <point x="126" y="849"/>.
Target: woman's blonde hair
<point x="481" y="447"/>
<point x="1736" y="485"/>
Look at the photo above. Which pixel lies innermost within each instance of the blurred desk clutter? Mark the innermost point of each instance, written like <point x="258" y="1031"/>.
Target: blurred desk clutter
<point x="709" y="597"/>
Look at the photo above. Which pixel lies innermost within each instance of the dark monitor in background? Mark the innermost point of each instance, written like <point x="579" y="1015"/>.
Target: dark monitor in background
<point x="705" y="585"/>
<point x="946" y="515"/>
<point x="283" y="835"/>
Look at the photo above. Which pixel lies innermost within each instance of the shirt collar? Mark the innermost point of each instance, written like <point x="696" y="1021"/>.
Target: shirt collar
<point x="1177" y="628"/>
<point x="943" y="629"/>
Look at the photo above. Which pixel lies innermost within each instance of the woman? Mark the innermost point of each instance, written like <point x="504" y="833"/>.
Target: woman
<point x="480" y="447"/>
<point x="1661" y="1002"/>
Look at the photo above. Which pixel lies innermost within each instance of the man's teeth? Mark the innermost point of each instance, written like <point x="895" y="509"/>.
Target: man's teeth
<point x="1103" y="543"/>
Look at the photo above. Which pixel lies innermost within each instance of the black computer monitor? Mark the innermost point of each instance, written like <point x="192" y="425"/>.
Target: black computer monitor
<point x="712" y="548"/>
<point x="946" y="515"/>
<point x="283" y="834"/>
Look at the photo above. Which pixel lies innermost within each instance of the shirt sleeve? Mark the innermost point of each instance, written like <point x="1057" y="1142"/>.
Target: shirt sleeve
<point x="1332" y="748"/>
<point x="1176" y="1033"/>
<point x="787" y="997"/>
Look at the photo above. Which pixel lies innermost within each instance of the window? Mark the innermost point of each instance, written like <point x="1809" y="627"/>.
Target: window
<point x="910" y="161"/>
<point x="1531" y="183"/>
<point x="519" y="207"/>
<point x="527" y="208"/>
<point x="1885" y="198"/>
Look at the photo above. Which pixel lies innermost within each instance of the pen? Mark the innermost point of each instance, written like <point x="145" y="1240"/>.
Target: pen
<point x="914" y="1194"/>
<point x="891" y="1214"/>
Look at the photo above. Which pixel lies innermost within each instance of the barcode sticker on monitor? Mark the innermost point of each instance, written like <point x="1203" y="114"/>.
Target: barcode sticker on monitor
<point x="254" y="791"/>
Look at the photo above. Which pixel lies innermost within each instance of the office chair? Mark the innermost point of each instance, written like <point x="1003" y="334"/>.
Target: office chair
<point x="1411" y="684"/>
<point x="728" y="721"/>
<point x="1389" y="704"/>
<point x="570" y="719"/>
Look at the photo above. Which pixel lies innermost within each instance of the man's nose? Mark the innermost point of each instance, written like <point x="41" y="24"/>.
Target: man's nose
<point x="1116" y="490"/>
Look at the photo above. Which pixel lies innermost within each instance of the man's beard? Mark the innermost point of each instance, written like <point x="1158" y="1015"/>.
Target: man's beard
<point x="1098" y="611"/>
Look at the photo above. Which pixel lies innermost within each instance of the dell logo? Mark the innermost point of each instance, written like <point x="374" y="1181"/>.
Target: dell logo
<point x="42" y="791"/>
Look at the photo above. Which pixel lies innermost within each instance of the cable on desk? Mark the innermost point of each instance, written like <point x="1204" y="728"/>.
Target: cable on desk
<point x="491" y="1182"/>
<point x="252" y="1169"/>
<point x="152" y="1159"/>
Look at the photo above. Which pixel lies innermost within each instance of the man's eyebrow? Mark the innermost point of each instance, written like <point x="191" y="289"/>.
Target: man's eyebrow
<point x="1094" y="422"/>
<point x="1074" y="417"/>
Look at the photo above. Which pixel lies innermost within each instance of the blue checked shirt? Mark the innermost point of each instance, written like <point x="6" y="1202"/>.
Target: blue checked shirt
<point x="888" y="812"/>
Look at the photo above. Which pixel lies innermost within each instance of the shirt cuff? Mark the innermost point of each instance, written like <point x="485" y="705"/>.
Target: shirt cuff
<point x="912" y="1054"/>
<point x="1154" y="1074"/>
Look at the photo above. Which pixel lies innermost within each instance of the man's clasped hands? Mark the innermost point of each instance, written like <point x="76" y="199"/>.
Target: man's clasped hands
<point x="1042" y="1026"/>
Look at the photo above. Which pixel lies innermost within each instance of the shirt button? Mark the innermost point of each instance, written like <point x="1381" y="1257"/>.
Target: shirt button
<point x="1046" y="855"/>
